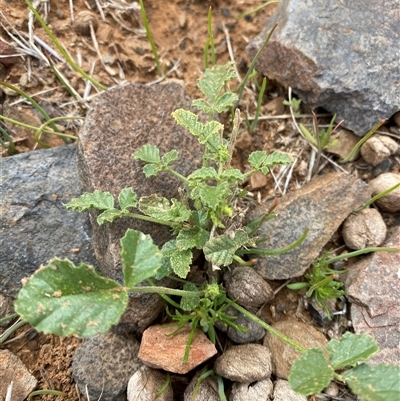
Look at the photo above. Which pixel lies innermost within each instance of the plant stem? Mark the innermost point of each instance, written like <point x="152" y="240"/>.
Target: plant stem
<point x="165" y="290"/>
<point x="376" y="197"/>
<point x="176" y="174"/>
<point x="257" y="251"/>
<point x="252" y="65"/>
<point x="267" y="327"/>
<point x="364" y="139"/>
<point x="150" y="37"/>
<point x="31" y="101"/>
<point x="359" y="252"/>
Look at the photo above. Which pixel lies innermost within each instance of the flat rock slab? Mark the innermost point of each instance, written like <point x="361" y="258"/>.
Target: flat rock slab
<point x="160" y="350"/>
<point x="321" y="206"/>
<point x="343" y="56"/>
<point x="373" y="288"/>
<point x="120" y="121"/>
<point x="34" y="224"/>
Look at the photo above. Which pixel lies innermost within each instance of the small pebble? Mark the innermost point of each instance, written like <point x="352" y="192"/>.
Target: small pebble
<point x="83" y="20"/>
<point x="377" y="149"/>
<point x="332" y="390"/>
<point x="391" y="201"/>
<point x="364" y="229"/>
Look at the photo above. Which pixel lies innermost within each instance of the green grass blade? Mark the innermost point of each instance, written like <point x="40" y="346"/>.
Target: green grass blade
<point x="150" y="37"/>
<point x="242" y="85"/>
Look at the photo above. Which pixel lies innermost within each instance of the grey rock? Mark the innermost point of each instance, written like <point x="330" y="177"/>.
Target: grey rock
<point x="206" y="391"/>
<point x="247" y="287"/>
<point x="245" y="363"/>
<point x="321" y="206"/>
<point x="391" y="201"/>
<point x="34" y="224"/>
<point x="6" y="309"/>
<point x="146" y="383"/>
<point x="120" y="121"/>
<point x="283" y="392"/>
<point x="340" y="56"/>
<point x="258" y="391"/>
<point x="13" y="370"/>
<point x="373" y="288"/>
<point x="364" y="229"/>
<point x="282" y="354"/>
<point x="105" y="364"/>
<point x="255" y="331"/>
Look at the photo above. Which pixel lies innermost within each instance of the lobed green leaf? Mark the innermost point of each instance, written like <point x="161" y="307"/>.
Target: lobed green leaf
<point x="127" y="198"/>
<point x="96" y="200"/>
<point x="311" y="373"/>
<point x="193" y="237"/>
<point x="261" y="161"/>
<point x="228" y="99"/>
<point x="212" y="196"/>
<point x="202" y="174"/>
<point x="374" y="383"/>
<point x="351" y="349"/>
<point x="233" y="174"/>
<point x="141" y="258"/>
<point x="207" y="134"/>
<point x="150" y="170"/>
<point x="220" y="250"/>
<point x="180" y="260"/>
<point x="110" y="215"/>
<point x="161" y="209"/>
<point x="170" y="157"/>
<point x="65" y="299"/>
<point x="213" y="80"/>
<point x="148" y="153"/>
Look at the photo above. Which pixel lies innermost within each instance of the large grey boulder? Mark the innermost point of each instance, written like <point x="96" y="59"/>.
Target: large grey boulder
<point x="34" y="224"/>
<point x="343" y="56"/>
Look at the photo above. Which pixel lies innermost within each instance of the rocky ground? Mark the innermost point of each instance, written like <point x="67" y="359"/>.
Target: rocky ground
<point x="118" y="53"/>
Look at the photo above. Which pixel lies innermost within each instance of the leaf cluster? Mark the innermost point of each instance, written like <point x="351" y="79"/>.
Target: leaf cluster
<point x="321" y="283"/>
<point x="316" y="367"/>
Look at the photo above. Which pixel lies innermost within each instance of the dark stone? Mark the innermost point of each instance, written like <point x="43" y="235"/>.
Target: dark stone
<point x="254" y="331"/>
<point x="104" y="364"/>
<point x="342" y="56"/>
<point x="120" y="121"/>
<point x="321" y="206"/>
<point x="35" y="225"/>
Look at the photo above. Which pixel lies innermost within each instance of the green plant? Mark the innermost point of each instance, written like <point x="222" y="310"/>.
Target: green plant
<point x="150" y="37"/>
<point x="322" y="282"/>
<point x="209" y="47"/>
<point x="316" y="367"/>
<point x="208" y="217"/>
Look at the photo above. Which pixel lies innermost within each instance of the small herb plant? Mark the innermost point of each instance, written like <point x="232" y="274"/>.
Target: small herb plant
<point x="65" y="299"/>
<point x="207" y="217"/>
<point x="322" y="282"/>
